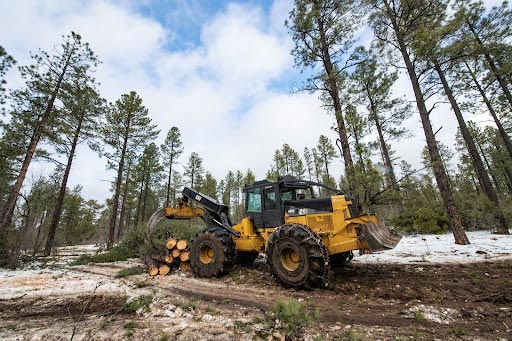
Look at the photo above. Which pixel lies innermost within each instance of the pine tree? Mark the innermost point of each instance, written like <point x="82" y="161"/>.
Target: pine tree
<point x="171" y="149"/>
<point x="78" y="122"/>
<point x="392" y="23"/>
<point x="127" y="127"/>
<point x="44" y="81"/>
<point x="322" y="32"/>
<point x="373" y="89"/>
<point x="194" y="170"/>
<point x="326" y="152"/>
<point x="6" y="62"/>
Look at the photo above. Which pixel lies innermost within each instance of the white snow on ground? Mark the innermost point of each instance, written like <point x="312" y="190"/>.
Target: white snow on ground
<point x="46" y="282"/>
<point x="432" y="248"/>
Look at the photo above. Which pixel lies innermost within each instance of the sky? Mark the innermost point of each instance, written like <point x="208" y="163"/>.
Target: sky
<point x="220" y="71"/>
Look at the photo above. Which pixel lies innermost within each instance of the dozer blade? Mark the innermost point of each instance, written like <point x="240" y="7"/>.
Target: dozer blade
<point x="380" y="237"/>
<point x="152" y="222"/>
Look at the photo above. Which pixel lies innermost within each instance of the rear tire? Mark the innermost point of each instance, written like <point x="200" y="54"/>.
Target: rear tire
<point x="212" y="252"/>
<point x="297" y="257"/>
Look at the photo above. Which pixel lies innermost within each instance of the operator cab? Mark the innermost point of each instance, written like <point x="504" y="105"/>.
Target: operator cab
<point x="267" y="203"/>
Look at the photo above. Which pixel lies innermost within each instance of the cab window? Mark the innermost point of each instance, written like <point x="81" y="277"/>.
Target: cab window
<point x="269" y="199"/>
<point x="254" y="201"/>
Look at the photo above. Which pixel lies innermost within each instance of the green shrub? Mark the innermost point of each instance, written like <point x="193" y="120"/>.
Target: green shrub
<point x="128" y="248"/>
<point x="136" y="270"/>
<point x="138" y="303"/>
<point x="292" y="315"/>
<point x="429" y="219"/>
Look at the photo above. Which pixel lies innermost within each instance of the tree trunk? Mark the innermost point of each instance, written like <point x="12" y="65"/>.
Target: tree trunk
<point x="489" y="169"/>
<point x="473" y="152"/>
<point x="487" y="102"/>
<point x="502" y="81"/>
<point x="57" y="212"/>
<point x="8" y="211"/>
<point x="334" y="94"/>
<point x="384" y="148"/>
<point x="454" y="220"/>
<point x="122" y="215"/>
<point x="169" y="181"/>
<point x="115" y="202"/>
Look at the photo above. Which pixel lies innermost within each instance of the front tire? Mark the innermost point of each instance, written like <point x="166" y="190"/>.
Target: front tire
<point x="212" y="252"/>
<point x="297" y="257"/>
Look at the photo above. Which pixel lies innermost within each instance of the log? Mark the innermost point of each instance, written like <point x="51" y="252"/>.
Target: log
<point x="185" y="256"/>
<point x="176" y="253"/>
<point x="164" y="270"/>
<point x="185" y="267"/>
<point x="169" y="259"/>
<point x="153" y="270"/>
<point x="171" y="243"/>
<point x="181" y="245"/>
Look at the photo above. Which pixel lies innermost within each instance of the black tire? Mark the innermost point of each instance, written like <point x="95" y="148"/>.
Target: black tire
<point x="297" y="257"/>
<point x="340" y="260"/>
<point x="212" y="252"/>
<point x="246" y="257"/>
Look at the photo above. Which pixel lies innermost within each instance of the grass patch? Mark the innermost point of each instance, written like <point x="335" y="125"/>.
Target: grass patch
<point x="188" y="305"/>
<point x="290" y="315"/>
<point x="460" y="331"/>
<point x="141" y="284"/>
<point x="136" y="270"/>
<point x="164" y="337"/>
<point x="210" y="310"/>
<point x="130" y="325"/>
<point x="141" y="302"/>
<point x="420" y="316"/>
<point x="351" y="336"/>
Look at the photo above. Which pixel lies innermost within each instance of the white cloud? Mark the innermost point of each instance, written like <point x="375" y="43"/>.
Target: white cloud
<point x="218" y="91"/>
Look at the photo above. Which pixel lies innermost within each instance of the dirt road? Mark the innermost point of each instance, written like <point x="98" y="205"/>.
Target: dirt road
<point x="364" y="302"/>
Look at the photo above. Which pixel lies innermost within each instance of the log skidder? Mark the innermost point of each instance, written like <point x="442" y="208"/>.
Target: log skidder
<point x="297" y="257"/>
<point x="212" y="252"/>
<point x="302" y="235"/>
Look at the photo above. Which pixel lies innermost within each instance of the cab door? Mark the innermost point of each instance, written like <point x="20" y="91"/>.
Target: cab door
<point x="272" y="215"/>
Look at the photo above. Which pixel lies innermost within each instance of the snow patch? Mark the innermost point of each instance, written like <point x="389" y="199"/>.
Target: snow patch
<point x="433" y="248"/>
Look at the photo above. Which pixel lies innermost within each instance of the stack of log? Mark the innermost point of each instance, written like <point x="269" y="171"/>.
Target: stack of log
<point x="175" y="256"/>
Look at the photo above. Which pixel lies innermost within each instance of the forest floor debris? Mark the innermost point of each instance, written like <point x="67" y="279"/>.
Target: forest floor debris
<point x="433" y="294"/>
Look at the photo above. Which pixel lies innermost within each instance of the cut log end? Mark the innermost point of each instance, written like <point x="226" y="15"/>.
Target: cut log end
<point x="185" y="256"/>
<point x="171" y="243"/>
<point x="176" y="253"/>
<point x="163" y="270"/>
<point x="169" y="259"/>
<point x="153" y="270"/>
<point x="181" y="245"/>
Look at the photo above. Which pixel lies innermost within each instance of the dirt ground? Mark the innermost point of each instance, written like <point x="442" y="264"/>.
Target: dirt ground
<point x="364" y="302"/>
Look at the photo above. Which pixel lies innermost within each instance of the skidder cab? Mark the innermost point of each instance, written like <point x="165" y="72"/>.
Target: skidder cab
<point x="301" y="234"/>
